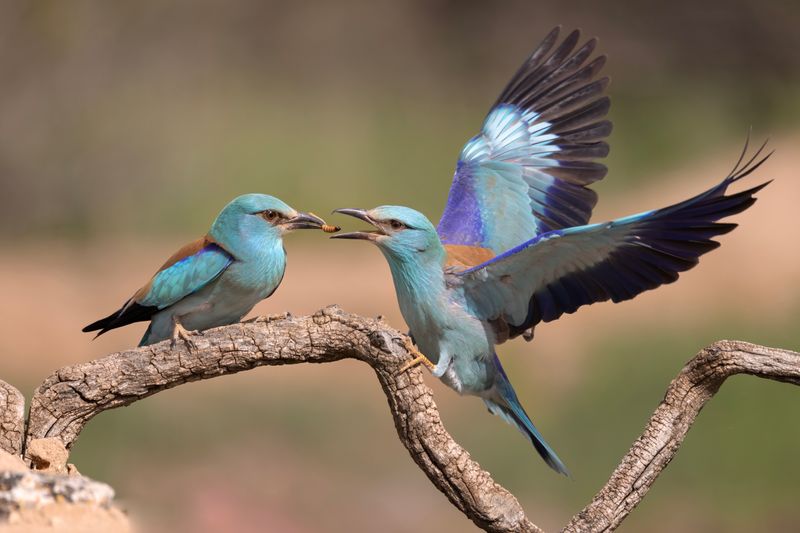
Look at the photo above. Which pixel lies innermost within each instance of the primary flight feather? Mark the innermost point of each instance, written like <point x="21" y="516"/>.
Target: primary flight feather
<point x="513" y="247"/>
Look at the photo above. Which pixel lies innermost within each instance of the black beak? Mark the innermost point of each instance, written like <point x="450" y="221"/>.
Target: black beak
<point x="362" y="215"/>
<point x="304" y="221"/>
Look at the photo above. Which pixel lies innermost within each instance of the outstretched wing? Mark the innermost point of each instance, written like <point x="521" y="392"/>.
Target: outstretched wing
<point x="190" y="269"/>
<point x="562" y="270"/>
<point x="528" y="171"/>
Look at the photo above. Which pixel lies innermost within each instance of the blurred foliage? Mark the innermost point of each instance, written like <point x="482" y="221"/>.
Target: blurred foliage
<point x="133" y="117"/>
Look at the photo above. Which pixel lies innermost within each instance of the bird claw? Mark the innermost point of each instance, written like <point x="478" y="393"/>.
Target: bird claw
<point x="185" y="335"/>
<point x="414" y="362"/>
<point x="420" y="358"/>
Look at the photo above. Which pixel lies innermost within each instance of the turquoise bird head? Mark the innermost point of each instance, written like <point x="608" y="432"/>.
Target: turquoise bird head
<point x="260" y="215"/>
<point x="403" y="234"/>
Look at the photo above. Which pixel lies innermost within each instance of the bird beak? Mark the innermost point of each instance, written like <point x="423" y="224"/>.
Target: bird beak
<point x="362" y="215"/>
<point x="304" y="221"/>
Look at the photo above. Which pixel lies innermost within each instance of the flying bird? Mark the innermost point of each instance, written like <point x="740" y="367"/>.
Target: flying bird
<point x="514" y="247"/>
<point x="217" y="279"/>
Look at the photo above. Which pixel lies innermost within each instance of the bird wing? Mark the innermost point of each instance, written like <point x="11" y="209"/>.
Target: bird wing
<point x="561" y="270"/>
<point x="188" y="270"/>
<point x="528" y="171"/>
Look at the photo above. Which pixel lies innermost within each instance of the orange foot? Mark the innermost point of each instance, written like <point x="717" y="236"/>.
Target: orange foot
<point x="420" y="358"/>
<point x="179" y="332"/>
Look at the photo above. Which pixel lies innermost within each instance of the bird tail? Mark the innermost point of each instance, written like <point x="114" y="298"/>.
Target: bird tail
<point x="103" y="324"/>
<point x="502" y="401"/>
<point x="129" y="313"/>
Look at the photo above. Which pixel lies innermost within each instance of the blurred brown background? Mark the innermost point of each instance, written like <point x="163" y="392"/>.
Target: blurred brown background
<point x="126" y="126"/>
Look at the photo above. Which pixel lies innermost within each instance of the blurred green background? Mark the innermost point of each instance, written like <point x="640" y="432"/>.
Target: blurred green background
<point x="126" y="126"/>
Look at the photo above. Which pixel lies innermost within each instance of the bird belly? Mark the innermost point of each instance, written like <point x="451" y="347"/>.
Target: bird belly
<point x="227" y="303"/>
<point x="462" y="352"/>
<point x="222" y="302"/>
<point x="456" y="341"/>
<point x="469" y="370"/>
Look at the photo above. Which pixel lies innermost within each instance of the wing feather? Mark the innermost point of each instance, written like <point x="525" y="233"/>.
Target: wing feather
<point x="529" y="169"/>
<point x="188" y="270"/>
<point x="562" y="270"/>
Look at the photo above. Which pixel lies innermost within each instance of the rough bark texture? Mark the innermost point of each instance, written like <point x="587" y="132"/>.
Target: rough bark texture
<point x="12" y="419"/>
<point x="68" y="399"/>
<point x="696" y="384"/>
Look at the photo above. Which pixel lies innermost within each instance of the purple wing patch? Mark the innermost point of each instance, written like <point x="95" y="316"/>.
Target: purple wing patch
<point x="529" y="169"/>
<point x="461" y="221"/>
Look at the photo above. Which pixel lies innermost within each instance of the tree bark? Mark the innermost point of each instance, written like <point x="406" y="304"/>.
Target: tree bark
<point x="688" y="393"/>
<point x="12" y="419"/>
<point x="69" y="398"/>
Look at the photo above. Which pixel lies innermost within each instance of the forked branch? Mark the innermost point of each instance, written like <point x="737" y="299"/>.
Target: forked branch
<point x="68" y="399"/>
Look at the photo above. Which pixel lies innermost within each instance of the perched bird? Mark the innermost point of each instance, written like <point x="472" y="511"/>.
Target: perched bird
<point x="217" y="279"/>
<point x="513" y="247"/>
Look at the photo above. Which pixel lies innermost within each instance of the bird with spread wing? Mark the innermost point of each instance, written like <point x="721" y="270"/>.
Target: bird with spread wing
<point x="514" y="247"/>
<point x="217" y="279"/>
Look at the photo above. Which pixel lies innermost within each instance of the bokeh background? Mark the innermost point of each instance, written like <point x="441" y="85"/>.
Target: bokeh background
<point x="126" y="126"/>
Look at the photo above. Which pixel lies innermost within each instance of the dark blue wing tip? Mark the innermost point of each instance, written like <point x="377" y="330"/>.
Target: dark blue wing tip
<point x="742" y="170"/>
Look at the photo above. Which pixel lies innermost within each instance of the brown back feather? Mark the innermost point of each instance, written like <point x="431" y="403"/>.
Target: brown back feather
<point x="464" y="256"/>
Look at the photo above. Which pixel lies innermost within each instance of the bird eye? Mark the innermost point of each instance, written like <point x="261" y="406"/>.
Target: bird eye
<point x="270" y="215"/>
<point x="396" y="224"/>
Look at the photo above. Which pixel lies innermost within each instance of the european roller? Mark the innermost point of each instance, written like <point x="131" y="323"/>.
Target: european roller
<point x="514" y="247"/>
<point x="217" y="279"/>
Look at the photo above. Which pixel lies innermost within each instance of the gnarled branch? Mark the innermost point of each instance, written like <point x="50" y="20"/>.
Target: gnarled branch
<point x="68" y="399"/>
<point x="688" y="393"/>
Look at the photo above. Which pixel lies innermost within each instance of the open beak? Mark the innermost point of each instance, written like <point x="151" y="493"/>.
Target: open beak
<point x="362" y="215"/>
<point x="304" y="221"/>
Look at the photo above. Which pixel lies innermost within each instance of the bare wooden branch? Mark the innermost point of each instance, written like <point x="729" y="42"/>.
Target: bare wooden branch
<point x="68" y="399"/>
<point x="12" y="419"/>
<point x="697" y="383"/>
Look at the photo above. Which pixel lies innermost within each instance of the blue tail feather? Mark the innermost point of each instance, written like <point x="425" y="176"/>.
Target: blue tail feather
<point x="503" y="402"/>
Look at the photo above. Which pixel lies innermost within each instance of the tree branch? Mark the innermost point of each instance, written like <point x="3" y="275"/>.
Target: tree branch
<point x="12" y="419"/>
<point x="688" y="393"/>
<point x="68" y="399"/>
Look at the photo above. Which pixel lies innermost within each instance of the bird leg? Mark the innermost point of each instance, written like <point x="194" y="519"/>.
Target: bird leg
<point x="420" y="358"/>
<point x="179" y="332"/>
